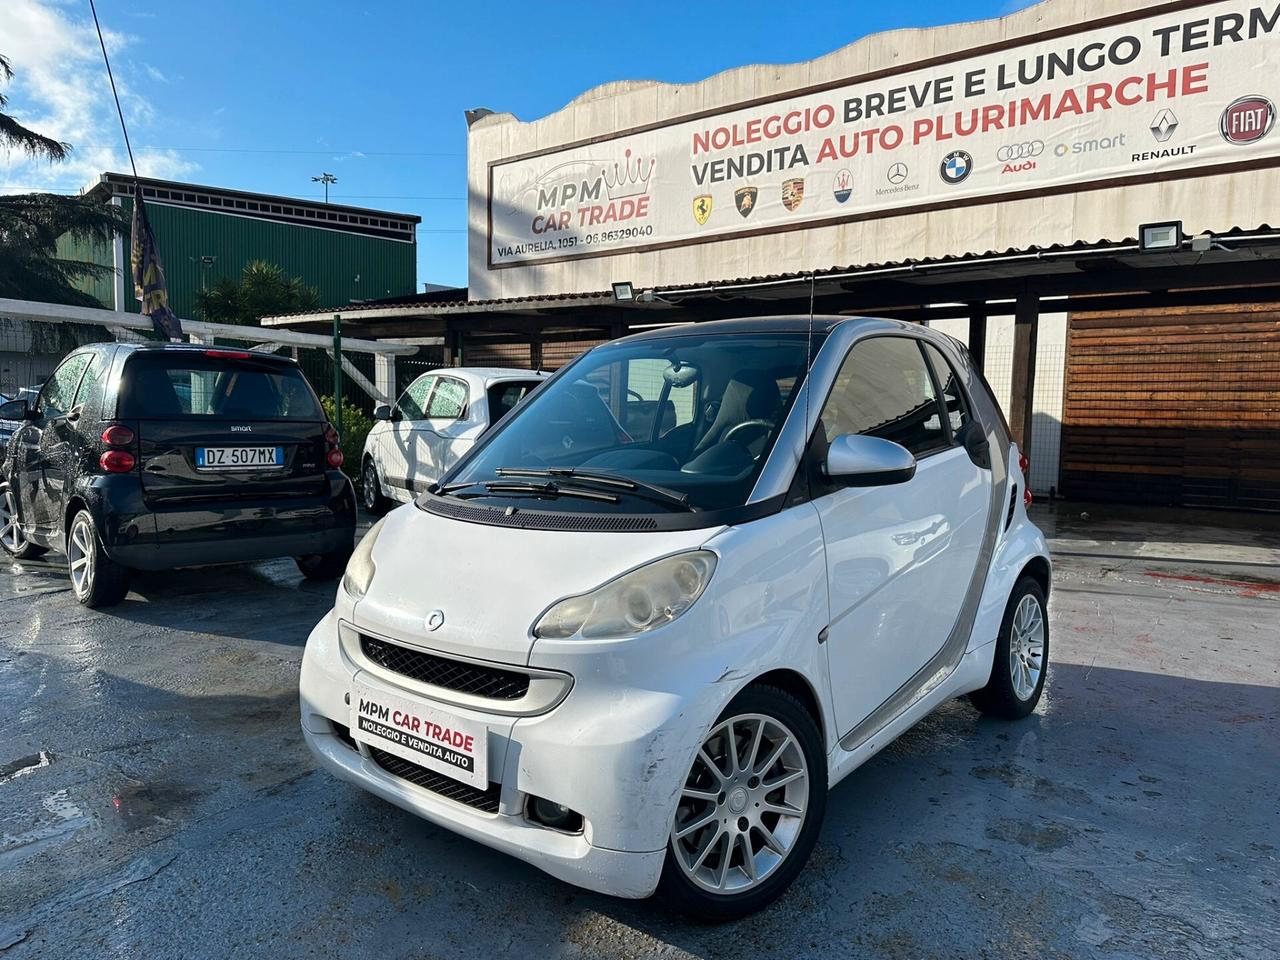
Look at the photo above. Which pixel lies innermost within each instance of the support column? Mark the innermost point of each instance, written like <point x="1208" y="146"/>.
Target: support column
<point x="535" y="352"/>
<point x="384" y="375"/>
<point x="1022" y="392"/>
<point x="978" y="335"/>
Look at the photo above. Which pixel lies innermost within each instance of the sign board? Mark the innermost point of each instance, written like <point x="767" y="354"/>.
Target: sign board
<point x="1187" y="91"/>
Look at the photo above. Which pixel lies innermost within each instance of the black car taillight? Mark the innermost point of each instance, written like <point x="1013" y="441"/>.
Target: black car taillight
<point x="117" y="457"/>
<point x="333" y="455"/>
<point x="117" y="461"/>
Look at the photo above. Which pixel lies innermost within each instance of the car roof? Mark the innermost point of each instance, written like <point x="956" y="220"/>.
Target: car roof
<point x="201" y="348"/>
<point x="484" y="376"/>
<point x="792" y="323"/>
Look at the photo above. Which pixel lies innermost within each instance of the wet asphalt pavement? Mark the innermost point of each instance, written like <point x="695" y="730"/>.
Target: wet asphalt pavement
<point x="156" y="799"/>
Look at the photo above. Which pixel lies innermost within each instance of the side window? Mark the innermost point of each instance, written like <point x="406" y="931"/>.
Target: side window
<point x="88" y="391"/>
<point x="504" y="396"/>
<point x="952" y="395"/>
<point x="60" y="390"/>
<point x="884" y="390"/>
<point x="413" y="402"/>
<point x="448" y="399"/>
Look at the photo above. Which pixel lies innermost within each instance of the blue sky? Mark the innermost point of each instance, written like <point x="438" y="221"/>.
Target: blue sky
<point x="261" y="96"/>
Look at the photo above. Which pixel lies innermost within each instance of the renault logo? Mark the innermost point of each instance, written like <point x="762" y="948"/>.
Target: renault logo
<point x="435" y="619"/>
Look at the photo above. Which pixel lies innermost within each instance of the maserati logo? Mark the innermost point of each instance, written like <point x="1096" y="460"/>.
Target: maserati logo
<point x="435" y="619"/>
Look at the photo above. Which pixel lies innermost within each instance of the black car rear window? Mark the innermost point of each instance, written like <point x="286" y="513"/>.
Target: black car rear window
<point x="166" y="386"/>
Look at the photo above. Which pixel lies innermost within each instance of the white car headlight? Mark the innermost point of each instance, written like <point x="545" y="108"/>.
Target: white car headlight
<point x="360" y="567"/>
<point x="635" y="602"/>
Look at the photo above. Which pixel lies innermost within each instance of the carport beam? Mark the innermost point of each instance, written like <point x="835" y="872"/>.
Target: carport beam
<point x="1022" y="389"/>
<point x="978" y="335"/>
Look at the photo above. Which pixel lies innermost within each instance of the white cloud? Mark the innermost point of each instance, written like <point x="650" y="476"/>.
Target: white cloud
<point x="60" y="89"/>
<point x="154" y="73"/>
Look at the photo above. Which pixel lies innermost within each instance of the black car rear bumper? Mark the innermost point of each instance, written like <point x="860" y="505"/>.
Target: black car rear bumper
<point x="149" y="534"/>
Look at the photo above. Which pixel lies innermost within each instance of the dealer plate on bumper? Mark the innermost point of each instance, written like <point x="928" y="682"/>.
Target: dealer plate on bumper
<point x="450" y="745"/>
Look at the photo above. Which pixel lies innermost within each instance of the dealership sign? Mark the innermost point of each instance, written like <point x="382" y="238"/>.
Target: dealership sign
<point x="1147" y="97"/>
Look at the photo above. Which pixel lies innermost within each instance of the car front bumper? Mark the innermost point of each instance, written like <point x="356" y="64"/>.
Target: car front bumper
<point x="616" y="750"/>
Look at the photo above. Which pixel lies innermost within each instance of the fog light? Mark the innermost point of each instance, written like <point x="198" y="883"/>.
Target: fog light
<point x="554" y="815"/>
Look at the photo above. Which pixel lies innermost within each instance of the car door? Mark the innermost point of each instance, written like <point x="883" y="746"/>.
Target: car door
<point x="454" y="422"/>
<point x="899" y="557"/>
<point x="397" y="445"/>
<point x="50" y="445"/>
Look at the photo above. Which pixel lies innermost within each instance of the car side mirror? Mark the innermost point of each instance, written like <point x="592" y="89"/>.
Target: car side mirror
<point x="14" y="410"/>
<point x="854" y="460"/>
<point x="382" y="412"/>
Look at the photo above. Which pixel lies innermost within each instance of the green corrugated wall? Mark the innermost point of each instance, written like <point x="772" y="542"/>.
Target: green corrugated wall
<point x="91" y="251"/>
<point x="328" y="260"/>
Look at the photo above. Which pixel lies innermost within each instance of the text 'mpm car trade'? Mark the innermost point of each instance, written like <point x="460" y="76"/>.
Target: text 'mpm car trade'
<point x="435" y="421"/>
<point x="637" y="650"/>
<point x="150" y="457"/>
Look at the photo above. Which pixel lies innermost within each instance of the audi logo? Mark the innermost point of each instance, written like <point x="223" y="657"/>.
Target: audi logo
<point x="1020" y="151"/>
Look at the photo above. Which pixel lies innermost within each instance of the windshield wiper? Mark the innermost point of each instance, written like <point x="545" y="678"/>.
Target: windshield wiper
<point x="638" y="488"/>
<point x="549" y="490"/>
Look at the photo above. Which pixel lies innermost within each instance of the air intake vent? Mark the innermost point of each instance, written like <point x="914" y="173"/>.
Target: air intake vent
<point x="459" y="675"/>
<point x="1013" y="505"/>
<point x="437" y="783"/>
<point x="539" y="519"/>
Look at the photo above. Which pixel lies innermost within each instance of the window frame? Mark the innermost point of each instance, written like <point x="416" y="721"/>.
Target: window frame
<point x="466" y="399"/>
<point x="966" y="401"/>
<point x="40" y="397"/>
<point x="426" y="399"/>
<point x="950" y="442"/>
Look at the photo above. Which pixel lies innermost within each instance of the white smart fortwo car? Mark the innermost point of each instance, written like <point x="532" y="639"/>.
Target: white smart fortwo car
<point x="641" y="628"/>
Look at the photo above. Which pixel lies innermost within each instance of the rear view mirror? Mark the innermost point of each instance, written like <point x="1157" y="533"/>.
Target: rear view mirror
<point x="382" y="412"/>
<point x="680" y="374"/>
<point x="855" y="460"/>
<point x="13" y="410"/>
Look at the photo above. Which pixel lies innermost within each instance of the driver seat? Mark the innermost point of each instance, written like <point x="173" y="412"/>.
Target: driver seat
<point x="749" y="395"/>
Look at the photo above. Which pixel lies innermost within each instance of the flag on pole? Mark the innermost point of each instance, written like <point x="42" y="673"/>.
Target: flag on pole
<point x="148" y="274"/>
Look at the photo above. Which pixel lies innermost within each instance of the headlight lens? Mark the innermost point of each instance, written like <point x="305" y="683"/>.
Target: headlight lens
<point x="360" y="567"/>
<point x="636" y="602"/>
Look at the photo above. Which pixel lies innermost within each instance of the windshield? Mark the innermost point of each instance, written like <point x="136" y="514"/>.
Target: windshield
<point x="688" y="420"/>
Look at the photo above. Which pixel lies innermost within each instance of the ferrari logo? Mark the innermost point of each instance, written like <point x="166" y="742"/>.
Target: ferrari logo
<point x="792" y="193"/>
<point x="702" y="208"/>
<point x="744" y="198"/>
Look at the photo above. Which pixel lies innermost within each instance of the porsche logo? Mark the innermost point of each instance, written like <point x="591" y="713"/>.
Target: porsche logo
<point x="792" y="193"/>
<point x="702" y="208"/>
<point x="744" y="198"/>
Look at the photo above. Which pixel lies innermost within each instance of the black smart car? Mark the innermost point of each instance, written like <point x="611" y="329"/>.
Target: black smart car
<point x="150" y="457"/>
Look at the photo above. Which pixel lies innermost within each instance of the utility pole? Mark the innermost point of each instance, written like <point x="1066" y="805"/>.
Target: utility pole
<point x="326" y="179"/>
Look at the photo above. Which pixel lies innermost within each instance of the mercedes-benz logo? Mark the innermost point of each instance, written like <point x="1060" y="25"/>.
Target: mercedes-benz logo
<point x="897" y="173"/>
<point x="435" y="619"/>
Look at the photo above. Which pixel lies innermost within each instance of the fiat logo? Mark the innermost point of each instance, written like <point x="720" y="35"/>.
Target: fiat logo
<point x="435" y="619"/>
<point x="1247" y="120"/>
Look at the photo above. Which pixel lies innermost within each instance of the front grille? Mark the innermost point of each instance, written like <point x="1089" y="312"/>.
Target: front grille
<point x="490" y="682"/>
<point x="437" y="783"/>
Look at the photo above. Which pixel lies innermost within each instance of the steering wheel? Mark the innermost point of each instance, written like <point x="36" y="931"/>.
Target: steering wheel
<point x="634" y="393"/>
<point x="761" y="426"/>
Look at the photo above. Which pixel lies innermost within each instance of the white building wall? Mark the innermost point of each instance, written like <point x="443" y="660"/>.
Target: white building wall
<point x="1051" y="365"/>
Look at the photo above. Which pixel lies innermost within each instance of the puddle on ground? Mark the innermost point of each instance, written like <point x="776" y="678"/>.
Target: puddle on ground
<point x="63" y="818"/>
<point x="139" y="806"/>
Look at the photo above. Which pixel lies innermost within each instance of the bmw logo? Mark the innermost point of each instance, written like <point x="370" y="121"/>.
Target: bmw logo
<point x="956" y="166"/>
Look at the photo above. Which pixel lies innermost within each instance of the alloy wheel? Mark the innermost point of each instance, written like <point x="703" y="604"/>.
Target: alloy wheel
<point x="369" y="486"/>
<point x="1026" y="647"/>
<point x="742" y="805"/>
<point x="80" y="554"/>
<point x="11" y="535"/>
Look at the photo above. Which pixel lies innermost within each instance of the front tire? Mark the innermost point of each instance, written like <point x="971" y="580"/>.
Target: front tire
<point x="325" y="566"/>
<point x="12" y="539"/>
<point x="96" y="579"/>
<point x="371" y="490"/>
<point x="750" y="809"/>
<point x="1021" y="660"/>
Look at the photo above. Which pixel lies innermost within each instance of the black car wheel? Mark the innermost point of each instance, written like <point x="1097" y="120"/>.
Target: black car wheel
<point x="325" y="566"/>
<point x="371" y="491"/>
<point x="96" y="579"/>
<point x="1021" y="658"/>
<point x="12" y="538"/>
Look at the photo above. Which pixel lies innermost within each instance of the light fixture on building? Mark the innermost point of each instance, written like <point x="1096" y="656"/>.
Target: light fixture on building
<point x="623" y="292"/>
<point x="1160" y="237"/>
